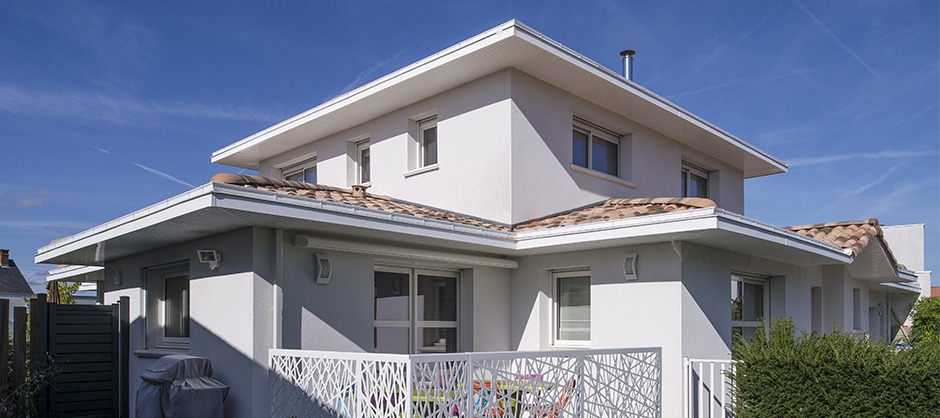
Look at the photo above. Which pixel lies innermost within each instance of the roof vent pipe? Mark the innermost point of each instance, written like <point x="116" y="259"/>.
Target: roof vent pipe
<point x="627" y="56"/>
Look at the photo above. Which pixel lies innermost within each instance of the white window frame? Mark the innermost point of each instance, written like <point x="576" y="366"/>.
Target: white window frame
<point x="412" y="323"/>
<point x="156" y="278"/>
<point x="361" y="147"/>
<point x="598" y="133"/>
<point x="688" y="169"/>
<point x="423" y="126"/>
<point x="299" y="168"/>
<point x="765" y="294"/>
<point x="556" y="276"/>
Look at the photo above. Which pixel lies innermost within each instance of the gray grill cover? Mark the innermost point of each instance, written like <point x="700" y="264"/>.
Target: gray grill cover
<point x="180" y="386"/>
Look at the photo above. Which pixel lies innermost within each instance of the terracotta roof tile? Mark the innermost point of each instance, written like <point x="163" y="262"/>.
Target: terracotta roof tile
<point x="614" y="209"/>
<point x="850" y="235"/>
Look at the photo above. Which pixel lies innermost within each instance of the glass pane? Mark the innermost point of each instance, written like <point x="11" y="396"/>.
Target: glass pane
<point x="604" y="156"/>
<point x="753" y="306"/>
<point x="176" y="307"/>
<point x="364" y="169"/>
<point x="310" y="175"/>
<point x="685" y="184"/>
<point x="429" y="137"/>
<point x="391" y="296"/>
<point x="579" y="148"/>
<point x="437" y="298"/>
<point x="736" y="291"/>
<point x="698" y="185"/>
<point x="747" y="333"/>
<point x="574" y="308"/>
<point x="437" y="340"/>
<point x="298" y="176"/>
<point x="391" y="340"/>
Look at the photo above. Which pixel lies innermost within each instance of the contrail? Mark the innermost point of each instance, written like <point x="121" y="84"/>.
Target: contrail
<point x="836" y="39"/>
<point x="145" y="168"/>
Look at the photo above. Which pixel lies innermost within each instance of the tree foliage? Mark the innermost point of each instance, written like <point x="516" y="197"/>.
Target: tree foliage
<point x="926" y="321"/>
<point x="837" y="374"/>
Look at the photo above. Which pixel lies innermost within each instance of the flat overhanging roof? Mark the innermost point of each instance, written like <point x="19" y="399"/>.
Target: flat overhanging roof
<point x="215" y="208"/>
<point x="510" y="45"/>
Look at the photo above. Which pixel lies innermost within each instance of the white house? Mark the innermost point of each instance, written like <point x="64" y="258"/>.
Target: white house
<point x="504" y="194"/>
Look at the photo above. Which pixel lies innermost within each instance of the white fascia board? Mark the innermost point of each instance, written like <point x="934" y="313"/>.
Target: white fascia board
<point x="740" y="224"/>
<point x="190" y="201"/>
<point x="351" y="97"/>
<point x="903" y="286"/>
<point x="68" y="272"/>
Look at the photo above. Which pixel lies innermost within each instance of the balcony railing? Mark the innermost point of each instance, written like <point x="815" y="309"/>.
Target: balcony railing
<point x="708" y="388"/>
<point x="578" y="383"/>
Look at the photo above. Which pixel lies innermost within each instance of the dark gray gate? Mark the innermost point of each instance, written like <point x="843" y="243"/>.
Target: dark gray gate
<point x="87" y="346"/>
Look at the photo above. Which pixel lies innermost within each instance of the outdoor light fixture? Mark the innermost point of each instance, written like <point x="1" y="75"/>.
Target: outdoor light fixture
<point x="323" y="269"/>
<point x="210" y="257"/>
<point x="629" y="267"/>
<point x="116" y="275"/>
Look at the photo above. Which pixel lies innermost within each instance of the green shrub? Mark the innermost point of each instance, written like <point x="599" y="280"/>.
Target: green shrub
<point x="926" y="321"/>
<point x="837" y="374"/>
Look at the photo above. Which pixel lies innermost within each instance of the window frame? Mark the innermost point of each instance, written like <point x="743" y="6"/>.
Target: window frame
<point x="594" y="131"/>
<point x="425" y="125"/>
<point x="156" y="278"/>
<point x="301" y="168"/>
<point x="363" y="146"/>
<point x="764" y="282"/>
<point x="556" y="277"/>
<point x="412" y="324"/>
<point x="687" y="171"/>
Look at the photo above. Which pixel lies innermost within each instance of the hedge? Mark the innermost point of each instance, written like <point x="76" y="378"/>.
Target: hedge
<point x="832" y="375"/>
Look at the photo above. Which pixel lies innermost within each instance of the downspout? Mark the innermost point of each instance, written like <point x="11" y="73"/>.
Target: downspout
<point x="277" y="294"/>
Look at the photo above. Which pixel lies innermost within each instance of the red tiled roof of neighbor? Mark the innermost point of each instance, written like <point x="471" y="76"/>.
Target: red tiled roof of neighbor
<point x="935" y="291"/>
<point x="613" y="209"/>
<point x="851" y="235"/>
<point x="607" y="210"/>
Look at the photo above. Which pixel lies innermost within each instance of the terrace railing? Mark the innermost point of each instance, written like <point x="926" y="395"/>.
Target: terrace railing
<point x="577" y="383"/>
<point x="708" y="389"/>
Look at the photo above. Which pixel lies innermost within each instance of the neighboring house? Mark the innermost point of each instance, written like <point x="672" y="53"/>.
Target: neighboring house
<point x="505" y="194"/>
<point x="13" y="286"/>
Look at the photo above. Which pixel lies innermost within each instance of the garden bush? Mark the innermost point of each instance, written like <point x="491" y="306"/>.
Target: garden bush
<point x="782" y="374"/>
<point x="926" y="321"/>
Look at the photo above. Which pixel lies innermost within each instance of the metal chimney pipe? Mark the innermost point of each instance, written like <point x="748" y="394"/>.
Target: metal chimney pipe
<point x="627" y="57"/>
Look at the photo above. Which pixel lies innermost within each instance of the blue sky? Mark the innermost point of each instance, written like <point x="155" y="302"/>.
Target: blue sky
<point x="107" y="107"/>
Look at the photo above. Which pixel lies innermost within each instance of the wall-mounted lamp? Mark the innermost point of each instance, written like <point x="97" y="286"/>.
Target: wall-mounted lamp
<point x="629" y="267"/>
<point x="210" y="257"/>
<point x="324" y="269"/>
<point x="116" y="275"/>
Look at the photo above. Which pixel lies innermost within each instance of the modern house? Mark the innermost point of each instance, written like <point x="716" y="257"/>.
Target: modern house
<point x="506" y="194"/>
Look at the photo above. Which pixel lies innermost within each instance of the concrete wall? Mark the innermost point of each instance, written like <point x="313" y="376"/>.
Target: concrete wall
<point x="505" y="154"/>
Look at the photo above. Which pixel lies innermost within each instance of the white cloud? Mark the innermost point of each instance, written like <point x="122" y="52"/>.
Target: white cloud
<point x="827" y="159"/>
<point x="748" y="80"/>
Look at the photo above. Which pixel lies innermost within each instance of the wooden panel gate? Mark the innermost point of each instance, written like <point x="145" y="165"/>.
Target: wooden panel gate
<point x="88" y="347"/>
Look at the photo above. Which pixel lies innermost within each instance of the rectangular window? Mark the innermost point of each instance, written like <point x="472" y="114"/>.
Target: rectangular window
<point x="364" y="166"/>
<point x="572" y="313"/>
<point x="427" y="141"/>
<point x="748" y="307"/>
<point x="595" y="148"/>
<point x="415" y="311"/>
<point x="168" y="307"/>
<point x="304" y="172"/>
<point x="694" y="181"/>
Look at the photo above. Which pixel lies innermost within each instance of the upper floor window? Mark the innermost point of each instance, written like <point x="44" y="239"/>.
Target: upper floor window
<point x="305" y="171"/>
<point x="694" y="181"/>
<point x="364" y="163"/>
<point x="595" y="148"/>
<point x="427" y="141"/>
<point x="572" y="319"/>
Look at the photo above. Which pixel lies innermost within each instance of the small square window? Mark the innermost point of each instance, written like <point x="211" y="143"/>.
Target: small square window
<point x="694" y="181"/>
<point x="364" y="166"/>
<point x="572" y="307"/>
<point x="427" y="141"/>
<point x="595" y="148"/>
<point x="168" y="307"/>
<point x="304" y="172"/>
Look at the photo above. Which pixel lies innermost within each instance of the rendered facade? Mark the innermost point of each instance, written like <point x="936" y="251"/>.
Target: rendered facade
<point x="505" y="194"/>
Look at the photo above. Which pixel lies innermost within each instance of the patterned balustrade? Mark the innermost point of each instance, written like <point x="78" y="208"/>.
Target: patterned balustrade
<point x="556" y="384"/>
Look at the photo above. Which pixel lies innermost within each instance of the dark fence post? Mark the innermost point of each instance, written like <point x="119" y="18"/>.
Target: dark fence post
<point x="19" y="346"/>
<point x="5" y="347"/>
<point x="124" y="351"/>
<point x="39" y="345"/>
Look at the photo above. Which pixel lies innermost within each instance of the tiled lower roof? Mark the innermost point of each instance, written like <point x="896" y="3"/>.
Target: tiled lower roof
<point x="850" y="235"/>
<point x="606" y="210"/>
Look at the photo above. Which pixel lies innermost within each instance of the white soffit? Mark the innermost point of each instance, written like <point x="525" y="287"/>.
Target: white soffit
<point x="515" y="45"/>
<point x="76" y="273"/>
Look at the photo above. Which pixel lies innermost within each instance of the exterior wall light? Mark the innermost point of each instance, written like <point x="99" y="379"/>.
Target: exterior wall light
<point x="211" y="257"/>
<point x="629" y="267"/>
<point x="324" y="269"/>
